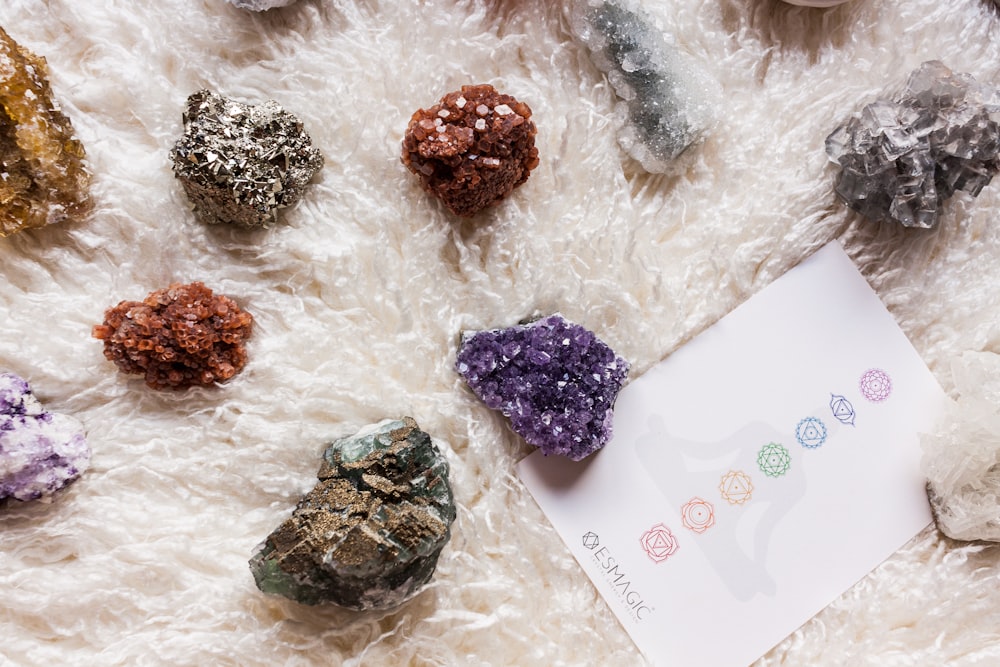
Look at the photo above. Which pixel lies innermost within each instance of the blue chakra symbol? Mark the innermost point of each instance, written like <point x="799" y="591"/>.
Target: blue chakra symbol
<point x="810" y="432"/>
<point x="842" y="409"/>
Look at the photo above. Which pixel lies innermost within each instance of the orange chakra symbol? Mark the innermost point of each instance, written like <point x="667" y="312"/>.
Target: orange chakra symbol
<point x="736" y="487"/>
<point x="698" y="515"/>
<point x="659" y="543"/>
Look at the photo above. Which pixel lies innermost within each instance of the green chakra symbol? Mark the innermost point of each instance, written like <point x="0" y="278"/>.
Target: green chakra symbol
<point x="774" y="460"/>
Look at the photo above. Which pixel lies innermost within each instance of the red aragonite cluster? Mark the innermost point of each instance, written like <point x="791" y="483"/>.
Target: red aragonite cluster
<point x="472" y="148"/>
<point x="177" y="337"/>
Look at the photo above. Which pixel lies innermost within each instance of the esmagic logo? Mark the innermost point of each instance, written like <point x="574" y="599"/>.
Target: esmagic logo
<point x="621" y="582"/>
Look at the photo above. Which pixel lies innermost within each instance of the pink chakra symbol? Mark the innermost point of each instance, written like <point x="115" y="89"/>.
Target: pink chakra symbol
<point x="875" y="385"/>
<point x="698" y="515"/>
<point x="659" y="543"/>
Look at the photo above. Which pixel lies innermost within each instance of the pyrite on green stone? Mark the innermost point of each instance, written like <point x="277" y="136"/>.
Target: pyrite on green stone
<point x="368" y="536"/>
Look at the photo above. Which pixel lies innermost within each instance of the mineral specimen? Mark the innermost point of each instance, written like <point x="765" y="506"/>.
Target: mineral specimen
<point x="368" y="536"/>
<point x="667" y="101"/>
<point x="42" y="176"/>
<point x="472" y="148"/>
<point x="555" y="380"/>
<point x="241" y="163"/>
<point x="177" y="337"/>
<point x="902" y="159"/>
<point x="40" y="452"/>
<point x="816" y="3"/>
<point x="962" y="452"/>
<point x="261" y="5"/>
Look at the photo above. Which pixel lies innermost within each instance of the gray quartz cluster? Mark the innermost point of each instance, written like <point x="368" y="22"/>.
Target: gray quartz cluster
<point x="668" y="102"/>
<point x="261" y="5"/>
<point x="241" y="163"/>
<point x="900" y="160"/>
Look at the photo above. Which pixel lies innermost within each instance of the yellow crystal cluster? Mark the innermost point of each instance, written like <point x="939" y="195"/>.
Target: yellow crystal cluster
<point x="42" y="176"/>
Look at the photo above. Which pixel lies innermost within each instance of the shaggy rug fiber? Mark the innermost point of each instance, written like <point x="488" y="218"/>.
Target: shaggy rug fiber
<point x="360" y="293"/>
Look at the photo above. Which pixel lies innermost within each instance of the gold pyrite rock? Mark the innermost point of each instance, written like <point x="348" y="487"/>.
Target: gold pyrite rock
<point x="42" y="176"/>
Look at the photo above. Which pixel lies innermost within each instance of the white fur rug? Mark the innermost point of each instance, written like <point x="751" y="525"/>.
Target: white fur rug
<point x="360" y="294"/>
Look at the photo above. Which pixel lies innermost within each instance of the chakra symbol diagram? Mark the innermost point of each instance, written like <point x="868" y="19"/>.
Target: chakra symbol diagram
<point x="590" y="540"/>
<point x="810" y="432"/>
<point x="842" y="409"/>
<point x="774" y="460"/>
<point x="659" y="543"/>
<point x="736" y="487"/>
<point x="698" y="515"/>
<point x="876" y="385"/>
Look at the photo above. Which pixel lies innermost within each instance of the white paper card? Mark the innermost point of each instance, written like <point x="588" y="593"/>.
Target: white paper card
<point x="755" y="474"/>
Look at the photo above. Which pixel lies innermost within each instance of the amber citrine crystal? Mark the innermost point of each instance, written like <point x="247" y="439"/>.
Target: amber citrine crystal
<point x="42" y="176"/>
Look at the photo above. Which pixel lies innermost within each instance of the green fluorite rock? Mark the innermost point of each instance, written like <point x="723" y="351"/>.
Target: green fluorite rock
<point x="368" y="536"/>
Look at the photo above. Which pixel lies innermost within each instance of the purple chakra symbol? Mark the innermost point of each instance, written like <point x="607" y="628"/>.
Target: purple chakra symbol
<point x="555" y="380"/>
<point x="876" y="385"/>
<point x="842" y="409"/>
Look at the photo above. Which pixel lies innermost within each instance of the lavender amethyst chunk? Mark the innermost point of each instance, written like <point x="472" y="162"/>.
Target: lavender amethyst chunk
<point x="556" y="381"/>
<point x="40" y="452"/>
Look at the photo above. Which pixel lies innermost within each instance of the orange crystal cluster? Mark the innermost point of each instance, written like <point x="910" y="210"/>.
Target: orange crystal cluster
<point x="177" y="337"/>
<point x="42" y="176"/>
<point x="472" y="148"/>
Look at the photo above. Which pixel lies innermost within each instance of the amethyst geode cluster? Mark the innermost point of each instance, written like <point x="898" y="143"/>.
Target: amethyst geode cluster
<point x="40" y="452"/>
<point x="555" y="380"/>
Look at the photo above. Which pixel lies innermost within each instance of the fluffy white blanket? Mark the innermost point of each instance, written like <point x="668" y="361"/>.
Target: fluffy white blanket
<point x="360" y="293"/>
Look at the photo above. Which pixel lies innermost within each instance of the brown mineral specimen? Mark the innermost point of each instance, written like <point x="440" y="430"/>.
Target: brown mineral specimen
<point x="177" y="337"/>
<point x="42" y="176"/>
<point x="472" y="148"/>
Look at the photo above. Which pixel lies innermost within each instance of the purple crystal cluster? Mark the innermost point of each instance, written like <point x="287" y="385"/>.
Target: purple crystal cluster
<point x="902" y="159"/>
<point x="40" y="452"/>
<point x="555" y="380"/>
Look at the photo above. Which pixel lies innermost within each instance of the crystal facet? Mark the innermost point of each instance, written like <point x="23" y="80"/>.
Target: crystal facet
<point x="667" y="101"/>
<point x="369" y="535"/>
<point x="261" y="5"/>
<point x="40" y="452"/>
<point x="42" y="176"/>
<point x="472" y="148"/>
<point x="900" y="160"/>
<point x="555" y="380"/>
<point x="178" y="337"/>
<point x="241" y="163"/>
<point x="962" y="452"/>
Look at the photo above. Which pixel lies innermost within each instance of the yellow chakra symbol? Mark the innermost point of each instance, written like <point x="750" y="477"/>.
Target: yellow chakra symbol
<point x="736" y="487"/>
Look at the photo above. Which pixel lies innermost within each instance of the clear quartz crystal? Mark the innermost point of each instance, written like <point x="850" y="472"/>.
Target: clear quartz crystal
<point x="901" y="159"/>
<point x="261" y="5"/>
<point x="962" y="453"/>
<point x="668" y="103"/>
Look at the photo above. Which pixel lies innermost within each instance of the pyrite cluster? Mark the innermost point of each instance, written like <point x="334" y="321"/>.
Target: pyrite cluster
<point x="242" y="163"/>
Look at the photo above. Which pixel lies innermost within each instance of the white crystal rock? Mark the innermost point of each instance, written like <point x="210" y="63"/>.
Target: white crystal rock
<point x="261" y="5"/>
<point x="668" y="102"/>
<point x="816" y="3"/>
<point x="962" y="453"/>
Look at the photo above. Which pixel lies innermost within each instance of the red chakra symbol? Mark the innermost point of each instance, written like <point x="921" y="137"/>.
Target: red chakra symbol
<point x="659" y="543"/>
<point x="698" y="515"/>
